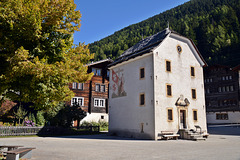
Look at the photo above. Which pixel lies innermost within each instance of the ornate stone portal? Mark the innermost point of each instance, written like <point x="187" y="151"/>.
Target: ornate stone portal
<point x="182" y="102"/>
<point x="182" y="105"/>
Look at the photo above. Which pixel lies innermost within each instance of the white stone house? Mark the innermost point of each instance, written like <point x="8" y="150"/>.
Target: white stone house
<point x="155" y="86"/>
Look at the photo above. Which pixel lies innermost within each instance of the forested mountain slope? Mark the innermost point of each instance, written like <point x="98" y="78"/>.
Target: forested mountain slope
<point x="212" y="24"/>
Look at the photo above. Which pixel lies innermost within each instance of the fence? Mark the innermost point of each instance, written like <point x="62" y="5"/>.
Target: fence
<point x="19" y="131"/>
<point x="46" y="130"/>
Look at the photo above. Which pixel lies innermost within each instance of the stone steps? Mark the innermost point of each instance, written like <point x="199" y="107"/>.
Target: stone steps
<point x="189" y="135"/>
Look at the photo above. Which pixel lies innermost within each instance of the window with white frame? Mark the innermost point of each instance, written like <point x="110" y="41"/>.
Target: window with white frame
<point x="97" y="89"/>
<point x="74" y="85"/>
<point x="98" y="102"/>
<point x="102" y="88"/>
<point x="78" y="100"/>
<point x="80" y="86"/>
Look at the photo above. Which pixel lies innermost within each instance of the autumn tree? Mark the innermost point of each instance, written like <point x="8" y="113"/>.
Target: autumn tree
<point x="37" y="56"/>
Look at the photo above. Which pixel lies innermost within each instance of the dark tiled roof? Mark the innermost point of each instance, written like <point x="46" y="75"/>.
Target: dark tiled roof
<point x="142" y="47"/>
<point x="147" y="43"/>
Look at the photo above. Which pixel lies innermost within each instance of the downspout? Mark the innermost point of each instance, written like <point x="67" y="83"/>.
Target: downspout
<point x="154" y="98"/>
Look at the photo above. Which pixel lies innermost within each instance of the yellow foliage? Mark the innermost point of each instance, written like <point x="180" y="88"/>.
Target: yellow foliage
<point x="40" y="56"/>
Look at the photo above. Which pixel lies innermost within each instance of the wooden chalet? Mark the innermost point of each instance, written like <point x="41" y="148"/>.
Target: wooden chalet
<point x="222" y="94"/>
<point x="92" y="95"/>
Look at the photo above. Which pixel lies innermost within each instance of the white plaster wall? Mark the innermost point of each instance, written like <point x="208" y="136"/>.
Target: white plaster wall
<point x="233" y="117"/>
<point x="95" y="117"/>
<point x="125" y="113"/>
<point x="181" y="82"/>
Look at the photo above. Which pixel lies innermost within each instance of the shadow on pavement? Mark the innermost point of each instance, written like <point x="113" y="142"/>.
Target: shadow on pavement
<point x="103" y="136"/>
<point x="224" y="129"/>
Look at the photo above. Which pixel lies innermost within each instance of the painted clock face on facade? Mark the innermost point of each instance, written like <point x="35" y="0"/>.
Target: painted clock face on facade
<point x="179" y="49"/>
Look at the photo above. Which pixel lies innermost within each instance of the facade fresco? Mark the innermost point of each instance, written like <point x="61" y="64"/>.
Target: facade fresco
<point x="118" y="84"/>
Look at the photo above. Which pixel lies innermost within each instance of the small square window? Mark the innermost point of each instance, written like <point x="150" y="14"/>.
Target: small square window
<point x="194" y="96"/>
<point x="77" y="100"/>
<point x="168" y="66"/>
<point x="74" y="85"/>
<point x="96" y="102"/>
<point x="169" y="90"/>
<point x="80" y="86"/>
<point x="227" y="88"/>
<point x="102" y="88"/>
<point x="142" y="99"/>
<point x="99" y="72"/>
<point x="97" y="88"/>
<point x="223" y="89"/>
<point x="219" y="89"/>
<point x="99" y="102"/>
<point x="142" y="73"/>
<point x="94" y="71"/>
<point x="222" y="116"/>
<point x="195" y="117"/>
<point x="170" y="114"/>
<point x="192" y="71"/>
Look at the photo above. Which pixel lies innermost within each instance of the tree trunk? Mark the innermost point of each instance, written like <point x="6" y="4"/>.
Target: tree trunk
<point x="78" y="123"/>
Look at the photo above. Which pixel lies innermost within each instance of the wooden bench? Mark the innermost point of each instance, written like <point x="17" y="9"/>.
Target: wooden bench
<point x="168" y="135"/>
<point x="22" y="153"/>
<point x="9" y="147"/>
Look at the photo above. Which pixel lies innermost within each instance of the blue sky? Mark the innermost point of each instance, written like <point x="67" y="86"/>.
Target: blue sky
<point x="101" y="18"/>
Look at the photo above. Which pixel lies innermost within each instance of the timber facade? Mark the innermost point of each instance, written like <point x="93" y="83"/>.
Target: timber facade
<point x="92" y="95"/>
<point x="222" y="94"/>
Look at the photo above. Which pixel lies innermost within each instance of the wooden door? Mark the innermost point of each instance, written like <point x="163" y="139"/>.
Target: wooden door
<point x="182" y="119"/>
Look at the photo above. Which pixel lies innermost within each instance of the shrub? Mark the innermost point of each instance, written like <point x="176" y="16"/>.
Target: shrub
<point x="40" y="119"/>
<point x="102" y="124"/>
<point x="29" y="123"/>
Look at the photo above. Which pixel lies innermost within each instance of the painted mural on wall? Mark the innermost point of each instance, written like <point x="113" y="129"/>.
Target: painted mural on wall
<point x="118" y="84"/>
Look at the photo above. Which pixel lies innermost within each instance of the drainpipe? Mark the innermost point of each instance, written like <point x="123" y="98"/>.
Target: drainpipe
<point x="154" y="97"/>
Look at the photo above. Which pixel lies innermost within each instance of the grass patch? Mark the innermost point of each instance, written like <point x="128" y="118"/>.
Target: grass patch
<point x="18" y="136"/>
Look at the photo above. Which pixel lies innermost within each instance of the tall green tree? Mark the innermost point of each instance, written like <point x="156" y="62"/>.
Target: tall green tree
<point x="37" y="56"/>
<point x="213" y="25"/>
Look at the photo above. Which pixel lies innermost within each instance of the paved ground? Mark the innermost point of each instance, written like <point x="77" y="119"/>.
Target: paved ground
<point x="224" y="144"/>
